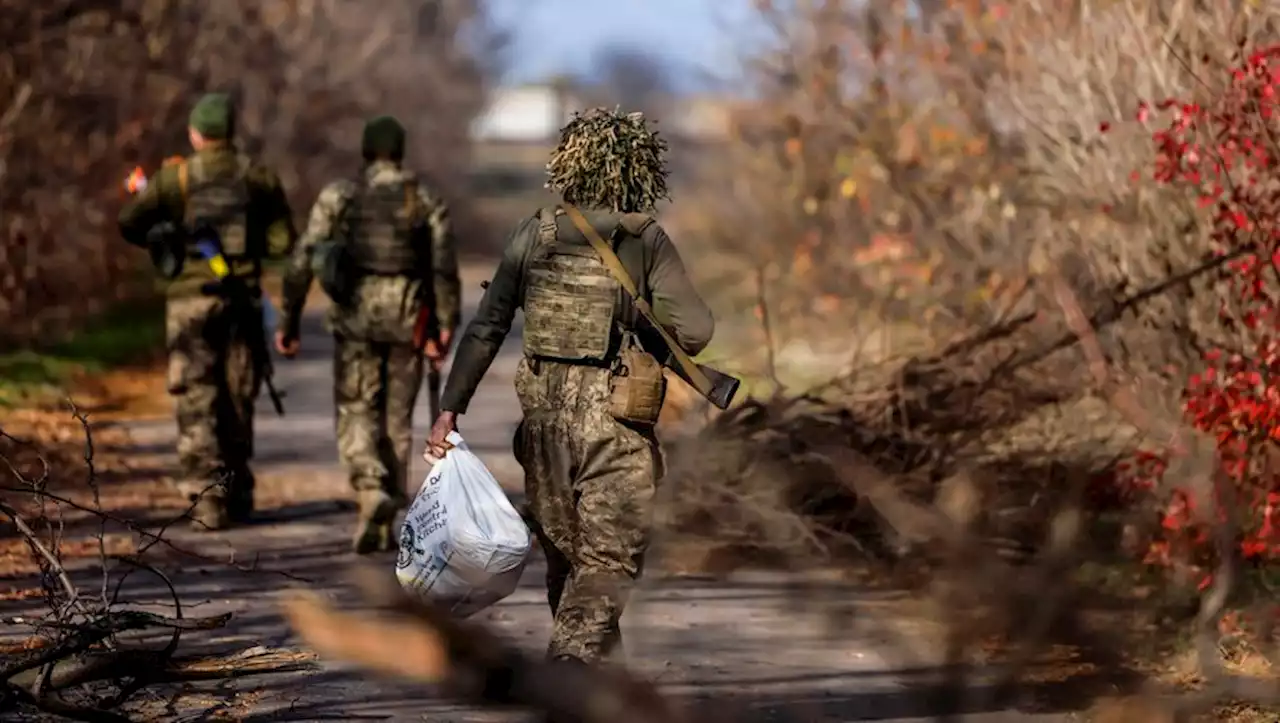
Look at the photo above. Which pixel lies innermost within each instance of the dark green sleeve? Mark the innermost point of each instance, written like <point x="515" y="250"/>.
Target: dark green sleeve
<point x="489" y="328"/>
<point x="160" y="202"/>
<point x="277" y="216"/>
<point x="676" y="302"/>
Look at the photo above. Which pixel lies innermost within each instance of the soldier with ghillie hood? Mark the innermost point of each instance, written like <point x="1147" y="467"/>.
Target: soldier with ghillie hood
<point x="591" y="464"/>
<point x="382" y="247"/>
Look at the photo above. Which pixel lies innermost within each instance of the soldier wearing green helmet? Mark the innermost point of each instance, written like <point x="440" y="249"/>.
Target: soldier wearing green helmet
<point x="215" y="338"/>
<point x="381" y="246"/>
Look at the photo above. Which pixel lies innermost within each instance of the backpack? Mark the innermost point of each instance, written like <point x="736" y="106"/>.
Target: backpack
<point x="216" y="203"/>
<point x="377" y="232"/>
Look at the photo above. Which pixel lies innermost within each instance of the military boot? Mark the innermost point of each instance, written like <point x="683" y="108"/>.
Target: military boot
<point x="377" y="512"/>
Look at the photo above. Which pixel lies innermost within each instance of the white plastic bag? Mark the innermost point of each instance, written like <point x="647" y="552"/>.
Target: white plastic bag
<point x="462" y="542"/>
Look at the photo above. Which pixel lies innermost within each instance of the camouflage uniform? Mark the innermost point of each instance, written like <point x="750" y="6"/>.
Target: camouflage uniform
<point x="212" y="375"/>
<point x="589" y="479"/>
<point x="377" y="368"/>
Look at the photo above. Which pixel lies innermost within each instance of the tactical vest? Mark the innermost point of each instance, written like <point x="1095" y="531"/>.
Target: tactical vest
<point x="384" y="229"/>
<point x="569" y="299"/>
<point x="217" y="198"/>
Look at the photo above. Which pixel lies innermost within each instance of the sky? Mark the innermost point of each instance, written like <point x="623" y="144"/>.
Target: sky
<point x="561" y="36"/>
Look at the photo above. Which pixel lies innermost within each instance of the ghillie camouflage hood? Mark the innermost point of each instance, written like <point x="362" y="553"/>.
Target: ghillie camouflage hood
<point x="609" y="160"/>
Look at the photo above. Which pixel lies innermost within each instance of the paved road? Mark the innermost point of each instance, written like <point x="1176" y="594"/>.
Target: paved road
<point x="740" y="639"/>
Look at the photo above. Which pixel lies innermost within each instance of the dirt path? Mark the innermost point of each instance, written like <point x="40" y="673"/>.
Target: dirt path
<point x="741" y="639"/>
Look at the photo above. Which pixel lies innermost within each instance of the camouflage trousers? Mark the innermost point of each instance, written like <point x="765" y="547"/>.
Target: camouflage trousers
<point x="214" y="383"/>
<point x="590" y="483"/>
<point x="375" y="389"/>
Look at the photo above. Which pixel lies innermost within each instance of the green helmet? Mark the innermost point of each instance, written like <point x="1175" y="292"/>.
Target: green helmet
<point x="214" y="116"/>
<point x="383" y="137"/>
<point x="609" y="160"/>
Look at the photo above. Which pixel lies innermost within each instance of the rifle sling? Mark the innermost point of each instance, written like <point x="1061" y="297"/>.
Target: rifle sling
<point x="619" y="272"/>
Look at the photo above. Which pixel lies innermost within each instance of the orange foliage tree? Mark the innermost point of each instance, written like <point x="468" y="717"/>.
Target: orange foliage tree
<point x="870" y="158"/>
<point x="946" y="166"/>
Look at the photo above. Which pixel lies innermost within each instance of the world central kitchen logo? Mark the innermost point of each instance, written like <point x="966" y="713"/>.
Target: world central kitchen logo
<point x="411" y="534"/>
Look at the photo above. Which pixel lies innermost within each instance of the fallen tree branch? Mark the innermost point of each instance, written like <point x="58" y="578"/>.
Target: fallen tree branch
<point x="50" y="560"/>
<point x="80" y="647"/>
<point x="155" y="667"/>
<point x="425" y="644"/>
<point x="152" y="538"/>
<point x="83" y="636"/>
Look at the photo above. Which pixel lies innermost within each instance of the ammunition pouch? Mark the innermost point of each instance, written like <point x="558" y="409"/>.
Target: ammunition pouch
<point x="167" y="246"/>
<point x="335" y="269"/>
<point x="637" y="387"/>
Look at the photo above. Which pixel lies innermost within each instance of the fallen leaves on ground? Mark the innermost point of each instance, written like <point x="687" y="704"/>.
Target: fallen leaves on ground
<point x="130" y="393"/>
<point x="47" y="448"/>
<point x="14" y="593"/>
<point x="51" y="443"/>
<point x="33" y="642"/>
<point x="1180" y="672"/>
<point x="17" y="560"/>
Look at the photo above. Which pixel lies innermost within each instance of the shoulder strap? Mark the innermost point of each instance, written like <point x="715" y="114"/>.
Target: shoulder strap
<point x="348" y="193"/>
<point x="619" y="272"/>
<point x="411" y="198"/>
<point x="546" y="226"/>
<point x="184" y="179"/>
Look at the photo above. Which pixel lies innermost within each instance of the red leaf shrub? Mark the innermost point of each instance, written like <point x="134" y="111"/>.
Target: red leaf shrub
<point x="1225" y="152"/>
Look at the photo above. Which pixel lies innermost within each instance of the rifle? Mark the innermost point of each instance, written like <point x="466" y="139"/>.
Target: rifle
<point x="428" y="327"/>
<point x="715" y="386"/>
<point x="433" y="389"/>
<point x="718" y="388"/>
<point x="240" y="295"/>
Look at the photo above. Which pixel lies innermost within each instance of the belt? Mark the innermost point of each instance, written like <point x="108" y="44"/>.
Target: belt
<point x="599" y="364"/>
<point x="219" y="288"/>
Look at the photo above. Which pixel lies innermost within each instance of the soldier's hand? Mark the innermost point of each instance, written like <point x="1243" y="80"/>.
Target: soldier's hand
<point x="287" y="346"/>
<point x="437" y="349"/>
<point x="438" y="445"/>
<point x="433" y="351"/>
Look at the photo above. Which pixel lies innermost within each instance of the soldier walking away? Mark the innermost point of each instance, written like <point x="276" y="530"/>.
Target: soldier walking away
<point x="590" y="383"/>
<point x="383" y="251"/>
<point x="209" y="220"/>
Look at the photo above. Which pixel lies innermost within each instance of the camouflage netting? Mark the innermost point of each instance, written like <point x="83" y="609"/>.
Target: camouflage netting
<point x="609" y="160"/>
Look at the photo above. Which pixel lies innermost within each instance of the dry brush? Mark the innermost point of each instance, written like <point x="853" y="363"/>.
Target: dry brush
<point x="947" y="173"/>
<point x="95" y="653"/>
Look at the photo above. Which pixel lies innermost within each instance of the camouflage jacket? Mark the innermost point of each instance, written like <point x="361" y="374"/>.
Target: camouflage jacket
<point x="269" y="218"/>
<point x="375" y="296"/>
<point x="652" y="262"/>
